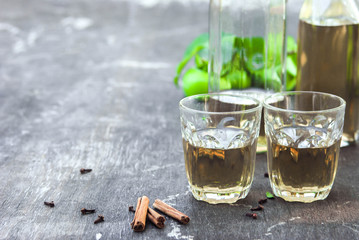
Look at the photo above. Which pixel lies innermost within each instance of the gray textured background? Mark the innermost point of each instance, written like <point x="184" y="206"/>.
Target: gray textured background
<point x="89" y="84"/>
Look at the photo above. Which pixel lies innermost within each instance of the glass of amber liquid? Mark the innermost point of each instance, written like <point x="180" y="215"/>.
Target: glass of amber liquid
<point x="303" y="131"/>
<point x="220" y="133"/>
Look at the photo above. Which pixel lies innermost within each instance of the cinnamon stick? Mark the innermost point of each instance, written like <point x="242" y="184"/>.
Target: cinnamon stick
<point x="259" y="208"/>
<point x="139" y="221"/>
<point x="170" y="211"/>
<point x="157" y="219"/>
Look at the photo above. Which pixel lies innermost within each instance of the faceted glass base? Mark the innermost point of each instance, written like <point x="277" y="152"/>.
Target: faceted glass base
<point x="305" y="196"/>
<point x="215" y="196"/>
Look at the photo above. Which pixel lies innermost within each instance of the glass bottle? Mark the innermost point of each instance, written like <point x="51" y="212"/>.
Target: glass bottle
<point x="328" y="55"/>
<point x="247" y="42"/>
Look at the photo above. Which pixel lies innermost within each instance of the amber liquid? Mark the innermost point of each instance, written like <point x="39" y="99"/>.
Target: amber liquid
<point x="328" y="61"/>
<point x="306" y="173"/>
<point x="219" y="170"/>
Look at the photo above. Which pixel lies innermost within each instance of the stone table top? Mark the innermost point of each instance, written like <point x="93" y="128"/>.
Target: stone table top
<point x="89" y="84"/>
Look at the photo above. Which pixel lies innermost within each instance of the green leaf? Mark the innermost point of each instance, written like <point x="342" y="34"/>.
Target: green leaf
<point x="239" y="56"/>
<point x="198" y="46"/>
<point x="239" y="79"/>
<point x="227" y="47"/>
<point x="268" y="78"/>
<point x="250" y="53"/>
<point x="269" y="195"/>
<point x="201" y="63"/>
<point x="184" y="61"/>
<point x="273" y="81"/>
<point x="226" y="68"/>
<point x="292" y="49"/>
<point x="291" y="45"/>
<point x="292" y="65"/>
<point x="201" y="40"/>
<point x="291" y="83"/>
<point x="254" y="53"/>
<point x="254" y="45"/>
<point x="258" y="78"/>
<point x="274" y="45"/>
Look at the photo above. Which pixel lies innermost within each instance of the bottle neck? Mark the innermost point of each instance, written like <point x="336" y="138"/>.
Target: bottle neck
<point x="330" y="13"/>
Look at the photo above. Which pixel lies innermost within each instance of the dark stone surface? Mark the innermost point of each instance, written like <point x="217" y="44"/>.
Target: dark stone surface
<point x="88" y="84"/>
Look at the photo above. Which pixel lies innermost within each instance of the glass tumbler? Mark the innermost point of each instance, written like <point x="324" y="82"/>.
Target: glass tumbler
<point x="220" y="133"/>
<point x="303" y="131"/>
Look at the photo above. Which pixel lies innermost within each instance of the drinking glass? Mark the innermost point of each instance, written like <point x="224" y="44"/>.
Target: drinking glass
<point x="220" y="133"/>
<point x="303" y="131"/>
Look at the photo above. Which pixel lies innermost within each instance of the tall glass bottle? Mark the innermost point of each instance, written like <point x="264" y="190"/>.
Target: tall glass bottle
<point x="247" y="48"/>
<point x="328" y="55"/>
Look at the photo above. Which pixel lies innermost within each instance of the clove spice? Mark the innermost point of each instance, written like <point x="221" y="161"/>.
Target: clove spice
<point x="99" y="219"/>
<point x="259" y="208"/>
<point x="252" y="215"/>
<point x="262" y="201"/>
<point x="87" y="211"/>
<point x="50" y="204"/>
<point x="84" y="170"/>
<point x="170" y="211"/>
<point x="130" y="208"/>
